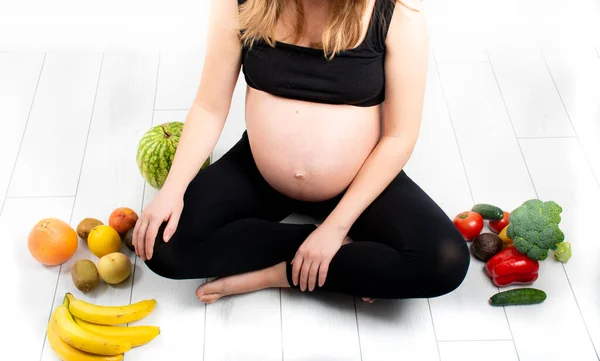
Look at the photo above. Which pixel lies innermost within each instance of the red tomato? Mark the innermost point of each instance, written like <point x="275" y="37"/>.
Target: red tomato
<point x="469" y="224"/>
<point x="498" y="226"/>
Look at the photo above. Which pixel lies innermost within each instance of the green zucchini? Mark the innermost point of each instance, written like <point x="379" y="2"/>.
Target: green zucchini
<point x="518" y="296"/>
<point x="488" y="211"/>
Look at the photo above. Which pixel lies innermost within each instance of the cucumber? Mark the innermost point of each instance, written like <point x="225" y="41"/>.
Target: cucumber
<point x="488" y="211"/>
<point x="518" y="296"/>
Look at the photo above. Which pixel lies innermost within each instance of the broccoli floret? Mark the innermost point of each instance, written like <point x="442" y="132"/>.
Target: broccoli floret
<point x="533" y="227"/>
<point x="562" y="252"/>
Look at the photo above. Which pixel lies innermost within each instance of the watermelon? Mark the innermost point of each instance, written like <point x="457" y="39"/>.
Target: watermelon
<point x="156" y="151"/>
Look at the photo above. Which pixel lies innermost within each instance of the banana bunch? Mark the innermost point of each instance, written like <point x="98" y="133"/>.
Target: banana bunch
<point x="82" y="331"/>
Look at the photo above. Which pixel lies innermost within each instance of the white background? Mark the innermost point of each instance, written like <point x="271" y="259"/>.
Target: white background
<point x="180" y="25"/>
<point x="103" y="26"/>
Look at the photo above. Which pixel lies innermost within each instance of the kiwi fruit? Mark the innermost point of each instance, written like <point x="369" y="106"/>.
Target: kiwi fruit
<point x="485" y="246"/>
<point x="128" y="240"/>
<point x="85" y="275"/>
<point x="85" y="226"/>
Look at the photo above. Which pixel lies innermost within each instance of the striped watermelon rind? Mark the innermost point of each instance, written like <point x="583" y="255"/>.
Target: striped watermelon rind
<point x="156" y="151"/>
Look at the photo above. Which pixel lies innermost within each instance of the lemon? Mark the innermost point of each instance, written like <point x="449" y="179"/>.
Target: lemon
<point x="103" y="240"/>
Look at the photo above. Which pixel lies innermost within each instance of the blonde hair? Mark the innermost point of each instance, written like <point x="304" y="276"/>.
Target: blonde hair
<point x="258" y="19"/>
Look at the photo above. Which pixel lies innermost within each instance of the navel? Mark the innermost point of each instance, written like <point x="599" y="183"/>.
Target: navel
<point x="299" y="176"/>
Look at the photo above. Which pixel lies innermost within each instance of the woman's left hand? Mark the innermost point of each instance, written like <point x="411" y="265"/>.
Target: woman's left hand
<point x="313" y="257"/>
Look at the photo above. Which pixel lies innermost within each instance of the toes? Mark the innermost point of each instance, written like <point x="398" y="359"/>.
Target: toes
<point x="209" y="298"/>
<point x="213" y="286"/>
<point x="200" y="291"/>
<point x="210" y="291"/>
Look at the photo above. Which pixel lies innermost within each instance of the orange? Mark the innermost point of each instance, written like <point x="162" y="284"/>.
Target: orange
<point x="52" y="241"/>
<point x="103" y="240"/>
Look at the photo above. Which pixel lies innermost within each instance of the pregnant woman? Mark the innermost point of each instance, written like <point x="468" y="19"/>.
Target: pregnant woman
<point x="333" y="109"/>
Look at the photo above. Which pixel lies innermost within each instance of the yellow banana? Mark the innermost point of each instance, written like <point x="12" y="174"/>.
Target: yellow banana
<point x="64" y="325"/>
<point x="67" y="352"/>
<point x="109" y="315"/>
<point x="134" y="335"/>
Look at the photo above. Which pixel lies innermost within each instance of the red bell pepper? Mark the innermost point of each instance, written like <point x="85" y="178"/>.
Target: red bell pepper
<point x="510" y="266"/>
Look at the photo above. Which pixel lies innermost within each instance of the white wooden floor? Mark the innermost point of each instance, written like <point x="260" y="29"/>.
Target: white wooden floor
<point x="501" y="124"/>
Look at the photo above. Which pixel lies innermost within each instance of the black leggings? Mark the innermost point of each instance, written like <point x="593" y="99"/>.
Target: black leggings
<point x="404" y="245"/>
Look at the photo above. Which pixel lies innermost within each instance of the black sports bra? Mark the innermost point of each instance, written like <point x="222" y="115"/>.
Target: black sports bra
<point x="354" y="76"/>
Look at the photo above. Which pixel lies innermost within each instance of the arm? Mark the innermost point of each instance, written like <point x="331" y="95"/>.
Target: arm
<point x="407" y="58"/>
<point x="406" y="63"/>
<point x="208" y="113"/>
<point x="202" y="128"/>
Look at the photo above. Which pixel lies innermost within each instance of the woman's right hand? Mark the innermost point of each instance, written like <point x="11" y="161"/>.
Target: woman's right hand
<point x="166" y="206"/>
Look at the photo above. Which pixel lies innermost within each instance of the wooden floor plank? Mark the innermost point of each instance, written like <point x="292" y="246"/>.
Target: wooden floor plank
<point x="478" y="350"/>
<point x="531" y="98"/>
<point x="50" y="158"/>
<point x="576" y="73"/>
<point x="19" y="75"/>
<point x="178" y="80"/>
<point x="319" y="326"/>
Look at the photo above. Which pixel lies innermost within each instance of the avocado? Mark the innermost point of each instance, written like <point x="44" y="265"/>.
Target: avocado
<point x="128" y="240"/>
<point x="485" y="246"/>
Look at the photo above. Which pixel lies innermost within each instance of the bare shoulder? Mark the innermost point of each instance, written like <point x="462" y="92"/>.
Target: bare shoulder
<point x="412" y="5"/>
<point x="224" y="13"/>
<point x="407" y="23"/>
<point x="407" y="12"/>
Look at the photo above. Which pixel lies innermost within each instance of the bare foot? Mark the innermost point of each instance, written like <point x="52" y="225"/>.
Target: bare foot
<point x="367" y="299"/>
<point x="274" y="276"/>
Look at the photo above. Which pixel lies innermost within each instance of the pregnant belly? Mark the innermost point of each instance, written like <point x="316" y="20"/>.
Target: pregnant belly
<point x="309" y="151"/>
